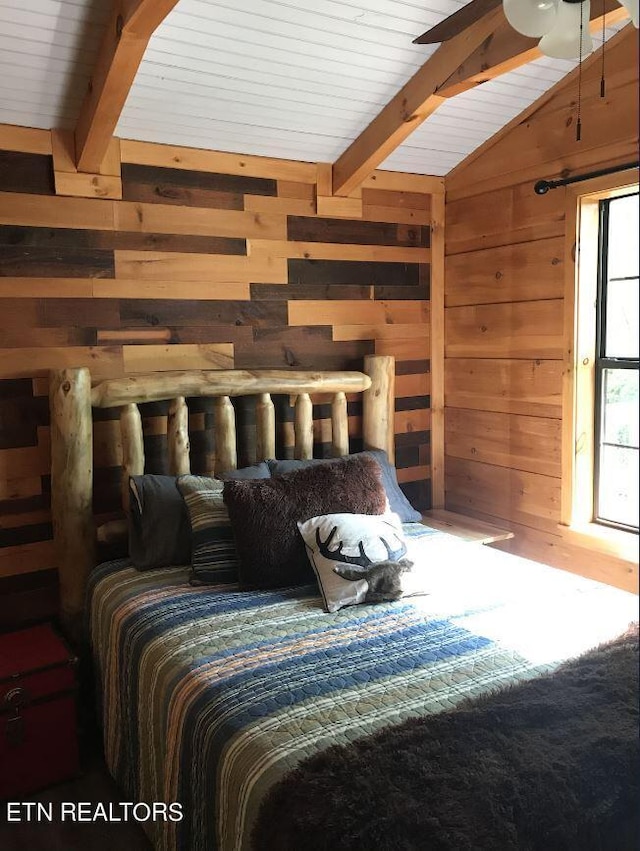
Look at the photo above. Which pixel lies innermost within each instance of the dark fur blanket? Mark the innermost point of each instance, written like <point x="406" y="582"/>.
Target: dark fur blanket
<point x="551" y="764"/>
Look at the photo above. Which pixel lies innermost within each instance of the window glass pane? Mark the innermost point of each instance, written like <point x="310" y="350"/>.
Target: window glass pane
<point x="623" y="237"/>
<point x="622" y="319"/>
<point x="618" y="496"/>
<point x="620" y="414"/>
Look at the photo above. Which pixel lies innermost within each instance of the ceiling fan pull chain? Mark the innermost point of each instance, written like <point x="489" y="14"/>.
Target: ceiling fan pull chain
<point x="602" y="84"/>
<point x="579" y="121"/>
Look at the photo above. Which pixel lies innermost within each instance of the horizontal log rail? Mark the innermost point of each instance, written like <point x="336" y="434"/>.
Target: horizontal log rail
<point x="156" y="387"/>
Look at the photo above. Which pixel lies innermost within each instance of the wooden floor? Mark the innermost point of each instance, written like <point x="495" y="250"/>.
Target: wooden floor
<point x="94" y="786"/>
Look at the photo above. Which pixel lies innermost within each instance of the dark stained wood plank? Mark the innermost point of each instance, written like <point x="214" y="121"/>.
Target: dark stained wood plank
<point x="31" y="262"/>
<point x="413" y="403"/>
<point x="407" y="456"/>
<point x="153" y="312"/>
<point x="78" y="312"/>
<point x="74" y="239"/>
<point x="293" y="292"/>
<point x="20" y="415"/>
<point x="13" y="535"/>
<point x="419" y="292"/>
<point x="413" y="367"/>
<point x="191" y="188"/>
<point x="26" y="599"/>
<point x="273" y="355"/>
<point x="413" y="438"/>
<point x="352" y="272"/>
<point x="418" y="493"/>
<point x="348" y="231"/>
<point x="20" y="172"/>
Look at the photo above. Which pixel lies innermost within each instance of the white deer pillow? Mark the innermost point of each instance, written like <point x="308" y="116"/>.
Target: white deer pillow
<point x="357" y="558"/>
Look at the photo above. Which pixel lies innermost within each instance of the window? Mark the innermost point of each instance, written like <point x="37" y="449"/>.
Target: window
<point x="599" y="482"/>
<point x="616" y="471"/>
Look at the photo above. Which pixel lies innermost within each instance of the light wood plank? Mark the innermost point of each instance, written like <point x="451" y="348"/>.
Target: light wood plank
<point x="88" y="185"/>
<point x="399" y="181"/>
<point x="176" y="290"/>
<point x="339" y="208"/>
<point x="17" y="208"/>
<point x="197" y="221"/>
<point x="507" y="495"/>
<point x="28" y="140"/>
<point x="418" y="384"/>
<point x="410" y="421"/>
<point x="462" y="526"/>
<point x="46" y="287"/>
<point x="346" y="311"/>
<point x="380" y="332"/>
<point x="526" y="271"/>
<point x="104" y="361"/>
<point x="167" y="358"/>
<point x="408" y="109"/>
<point x="220" y="268"/>
<point x="195" y="159"/>
<point x="127" y="33"/>
<point x="530" y="387"/>
<point x="506" y="440"/>
<point x="530" y="329"/>
<point x="413" y="349"/>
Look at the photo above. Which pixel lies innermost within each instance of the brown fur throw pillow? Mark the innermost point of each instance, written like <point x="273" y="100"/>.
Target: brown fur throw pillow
<point x="264" y="514"/>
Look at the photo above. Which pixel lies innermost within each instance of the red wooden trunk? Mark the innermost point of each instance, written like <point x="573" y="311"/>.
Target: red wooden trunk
<point x="38" y="736"/>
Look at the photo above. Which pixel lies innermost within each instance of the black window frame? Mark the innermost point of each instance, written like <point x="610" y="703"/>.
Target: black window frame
<point x="602" y="362"/>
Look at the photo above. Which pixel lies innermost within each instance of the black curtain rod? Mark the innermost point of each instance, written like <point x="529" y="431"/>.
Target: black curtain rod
<point x="543" y="186"/>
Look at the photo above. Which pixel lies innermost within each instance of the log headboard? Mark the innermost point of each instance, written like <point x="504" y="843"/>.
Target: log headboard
<point x="73" y="396"/>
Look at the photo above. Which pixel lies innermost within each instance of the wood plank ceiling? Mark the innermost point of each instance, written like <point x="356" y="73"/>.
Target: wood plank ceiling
<point x="267" y="77"/>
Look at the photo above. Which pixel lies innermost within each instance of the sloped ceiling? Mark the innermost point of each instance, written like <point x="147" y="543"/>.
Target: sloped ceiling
<point x="280" y="78"/>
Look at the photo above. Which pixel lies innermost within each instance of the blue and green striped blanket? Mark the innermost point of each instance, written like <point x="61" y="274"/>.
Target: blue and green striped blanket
<point x="210" y="695"/>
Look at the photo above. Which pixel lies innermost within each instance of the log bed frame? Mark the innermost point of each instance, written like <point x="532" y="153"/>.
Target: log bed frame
<point x="72" y="397"/>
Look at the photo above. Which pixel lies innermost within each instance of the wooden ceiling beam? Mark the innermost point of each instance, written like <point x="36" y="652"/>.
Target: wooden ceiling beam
<point x="409" y="108"/>
<point x="485" y="50"/>
<point x="505" y="50"/>
<point x="130" y="26"/>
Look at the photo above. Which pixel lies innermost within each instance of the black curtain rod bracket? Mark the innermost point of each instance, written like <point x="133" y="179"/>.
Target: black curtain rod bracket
<point x="543" y="186"/>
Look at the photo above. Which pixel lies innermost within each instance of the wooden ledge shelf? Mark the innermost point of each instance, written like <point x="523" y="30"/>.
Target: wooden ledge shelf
<point x="467" y="528"/>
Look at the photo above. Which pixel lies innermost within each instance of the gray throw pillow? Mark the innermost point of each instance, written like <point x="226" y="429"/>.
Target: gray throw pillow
<point x="398" y="503"/>
<point x="159" y="526"/>
<point x="159" y="530"/>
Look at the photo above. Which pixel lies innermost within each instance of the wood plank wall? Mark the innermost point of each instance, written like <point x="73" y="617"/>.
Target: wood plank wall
<point x="208" y="261"/>
<point x="504" y="315"/>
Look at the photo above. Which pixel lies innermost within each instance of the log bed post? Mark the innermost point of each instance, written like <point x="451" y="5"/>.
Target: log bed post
<point x="378" y="405"/>
<point x="71" y="489"/>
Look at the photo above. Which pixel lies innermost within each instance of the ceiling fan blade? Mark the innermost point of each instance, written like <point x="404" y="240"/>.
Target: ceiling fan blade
<point x="457" y="22"/>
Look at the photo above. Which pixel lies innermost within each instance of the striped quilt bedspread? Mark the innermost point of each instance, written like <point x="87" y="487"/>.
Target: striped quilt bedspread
<point x="210" y="695"/>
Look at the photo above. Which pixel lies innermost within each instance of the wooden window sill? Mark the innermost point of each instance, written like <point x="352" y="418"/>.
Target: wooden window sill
<point x="603" y="539"/>
<point x="467" y="528"/>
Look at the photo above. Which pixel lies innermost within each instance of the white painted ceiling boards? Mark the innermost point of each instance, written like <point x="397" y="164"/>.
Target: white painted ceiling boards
<point x="298" y="79"/>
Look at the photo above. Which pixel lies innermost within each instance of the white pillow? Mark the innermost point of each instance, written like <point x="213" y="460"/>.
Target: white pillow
<point x="344" y="550"/>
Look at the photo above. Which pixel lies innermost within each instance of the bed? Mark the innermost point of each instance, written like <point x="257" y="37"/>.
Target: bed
<point x="220" y="695"/>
